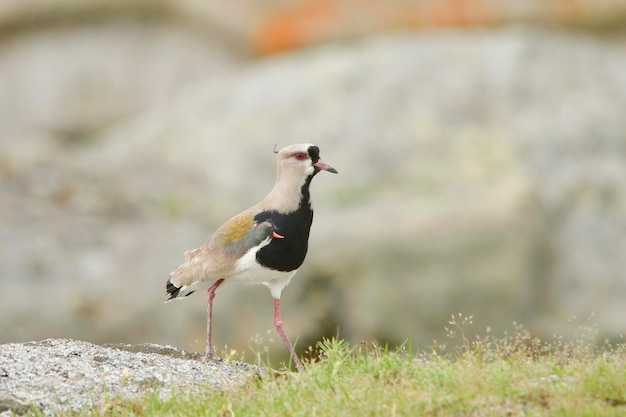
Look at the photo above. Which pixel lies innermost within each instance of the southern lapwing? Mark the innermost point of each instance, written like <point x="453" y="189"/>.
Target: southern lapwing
<point x="265" y="244"/>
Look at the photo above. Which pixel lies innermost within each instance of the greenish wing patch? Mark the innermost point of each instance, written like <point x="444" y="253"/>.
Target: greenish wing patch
<point x="254" y="237"/>
<point x="242" y="233"/>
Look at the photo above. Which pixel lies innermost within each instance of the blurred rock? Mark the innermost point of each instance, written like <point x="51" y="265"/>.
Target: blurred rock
<point x="481" y="172"/>
<point x="73" y="79"/>
<point x="263" y="27"/>
<point x="62" y="376"/>
<point x="291" y="24"/>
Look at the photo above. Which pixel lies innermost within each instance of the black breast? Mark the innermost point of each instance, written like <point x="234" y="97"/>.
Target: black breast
<point x="286" y="254"/>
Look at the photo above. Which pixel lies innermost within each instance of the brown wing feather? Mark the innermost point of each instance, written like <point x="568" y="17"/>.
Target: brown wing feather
<point x="216" y="258"/>
<point x="236" y="228"/>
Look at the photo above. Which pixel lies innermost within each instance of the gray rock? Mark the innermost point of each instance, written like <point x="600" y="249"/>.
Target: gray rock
<point x="101" y="72"/>
<point x="61" y="375"/>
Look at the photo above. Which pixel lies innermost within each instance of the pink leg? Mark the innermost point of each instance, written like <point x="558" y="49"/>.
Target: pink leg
<point x="278" y="323"/>
<point x="209" y="316"/>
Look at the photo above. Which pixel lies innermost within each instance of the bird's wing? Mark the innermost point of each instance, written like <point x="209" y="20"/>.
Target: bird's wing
<point x="217" y="258"/>
<point x="240" y="234"/>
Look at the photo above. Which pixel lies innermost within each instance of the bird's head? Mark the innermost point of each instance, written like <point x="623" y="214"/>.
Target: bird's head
<point x="301" y="160"/>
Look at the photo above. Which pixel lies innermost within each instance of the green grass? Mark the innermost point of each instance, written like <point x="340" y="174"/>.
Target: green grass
<point x="514" y="375"/>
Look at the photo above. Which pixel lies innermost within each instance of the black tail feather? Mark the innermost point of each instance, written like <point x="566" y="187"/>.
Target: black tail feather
<point x="172" y="290"/>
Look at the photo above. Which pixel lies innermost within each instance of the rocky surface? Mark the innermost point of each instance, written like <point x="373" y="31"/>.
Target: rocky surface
<point x="61" y="375"/>
<point x="481" y="172"/>
<point x="269" y="26"/>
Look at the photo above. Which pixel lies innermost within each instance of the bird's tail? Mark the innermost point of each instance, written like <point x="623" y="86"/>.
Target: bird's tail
<point x="174" y="292"/>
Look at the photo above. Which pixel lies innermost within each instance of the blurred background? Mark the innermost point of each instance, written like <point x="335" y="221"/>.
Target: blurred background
<point x="481" y="147"/>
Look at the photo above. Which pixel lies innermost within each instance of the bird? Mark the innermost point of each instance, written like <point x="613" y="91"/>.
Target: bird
<point x="265" y="244"/>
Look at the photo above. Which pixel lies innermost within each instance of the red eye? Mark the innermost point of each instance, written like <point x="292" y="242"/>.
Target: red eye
<point x="300" y="156"/>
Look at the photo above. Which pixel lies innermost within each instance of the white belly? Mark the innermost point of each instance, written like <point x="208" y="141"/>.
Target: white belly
<point x="249" y="271"/>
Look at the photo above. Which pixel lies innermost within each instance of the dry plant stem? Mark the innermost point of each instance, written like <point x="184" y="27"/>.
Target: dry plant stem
<point x="209" y="316"/>
<point x="278" y="323"/>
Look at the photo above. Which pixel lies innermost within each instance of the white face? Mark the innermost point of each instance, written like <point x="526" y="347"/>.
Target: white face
<point x="296" y="160"/>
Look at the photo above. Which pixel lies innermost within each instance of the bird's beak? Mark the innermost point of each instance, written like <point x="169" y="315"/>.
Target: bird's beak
<point x="323" y="165"/>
